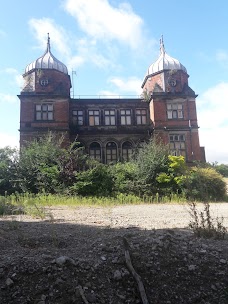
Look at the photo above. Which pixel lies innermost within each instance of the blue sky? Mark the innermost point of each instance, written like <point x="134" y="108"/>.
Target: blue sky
<point x="110" y="44"/>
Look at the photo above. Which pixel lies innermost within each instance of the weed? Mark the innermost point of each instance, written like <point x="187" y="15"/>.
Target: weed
<point x="204" y="225"/>
<point x="6" y="207"/>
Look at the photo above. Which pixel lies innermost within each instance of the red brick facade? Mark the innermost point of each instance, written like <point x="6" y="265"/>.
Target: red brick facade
<point x="110" y="129"/>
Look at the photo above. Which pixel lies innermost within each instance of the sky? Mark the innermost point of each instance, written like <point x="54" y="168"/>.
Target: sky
<point x="108" y="45"/>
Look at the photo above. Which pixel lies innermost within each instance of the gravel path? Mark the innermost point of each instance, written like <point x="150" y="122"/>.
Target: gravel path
<point x="154" y="216"/>
<point x="48" y="260"/>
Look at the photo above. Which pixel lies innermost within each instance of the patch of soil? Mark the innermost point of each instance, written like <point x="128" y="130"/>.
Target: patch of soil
<point x="63" y="262"/>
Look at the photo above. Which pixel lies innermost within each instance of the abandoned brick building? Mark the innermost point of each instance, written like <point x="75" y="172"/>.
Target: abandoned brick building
<point x="110" y="129"/>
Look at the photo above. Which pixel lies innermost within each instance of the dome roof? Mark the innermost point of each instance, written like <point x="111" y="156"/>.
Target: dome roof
<point x="47" y="61"/>
<point x="165" y="62"/>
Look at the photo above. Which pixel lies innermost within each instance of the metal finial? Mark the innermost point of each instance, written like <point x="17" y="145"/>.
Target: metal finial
<point x="162" y="47"/>
<point x="48" y="43"/>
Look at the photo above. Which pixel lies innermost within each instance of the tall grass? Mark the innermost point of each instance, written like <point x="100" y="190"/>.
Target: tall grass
<point x="33" y="204"/>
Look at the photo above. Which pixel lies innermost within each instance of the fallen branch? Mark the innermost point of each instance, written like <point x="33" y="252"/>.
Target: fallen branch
<point x="134" y="273"/>
<point x="82" y="294"/>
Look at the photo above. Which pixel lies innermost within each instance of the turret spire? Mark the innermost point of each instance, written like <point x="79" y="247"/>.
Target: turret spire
<point x="48" y="44"/>
<point x="162" y="47"/>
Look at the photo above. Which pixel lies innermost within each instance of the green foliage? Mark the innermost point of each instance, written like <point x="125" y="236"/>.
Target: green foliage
<point x="151" y="160"/>
<point x="96" y="181"/>
<point x="5" y="206"/>
<point x="48" y="165"/>
<point x="124" y="177"/>
<point x="173" y="180"/>
<point x="8" y="159"/>
<point x="205" y="184"/>
<point x="44" y="165"/>
<point x="222" y="169"/>
<point x="202" y="223"/>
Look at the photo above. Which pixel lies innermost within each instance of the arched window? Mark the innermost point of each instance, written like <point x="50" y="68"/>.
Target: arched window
<point x="111" y="152"/>
<point x="126" y="151"/>
<point x="95" y="150"/>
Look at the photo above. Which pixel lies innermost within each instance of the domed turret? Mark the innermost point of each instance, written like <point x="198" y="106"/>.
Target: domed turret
<point x="47" y="61"/>
<point x="165" y="62"/>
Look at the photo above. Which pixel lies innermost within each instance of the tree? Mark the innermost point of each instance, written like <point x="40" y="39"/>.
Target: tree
<point x="151" y="160"/>
<point x="8" y="164"/>
<point x="173" y="180"/>
<point x="45" y="165"/>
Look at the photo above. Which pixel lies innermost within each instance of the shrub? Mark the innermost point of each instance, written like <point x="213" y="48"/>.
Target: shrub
<point x="205" y="184"/>
<point x="150" y="161"/>
<point x="123" y="176"/>
<point x="173" y="180"/>
<point x="96" y="181"/>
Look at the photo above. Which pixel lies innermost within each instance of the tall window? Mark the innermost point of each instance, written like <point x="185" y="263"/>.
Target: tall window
<point x="78" y="117"/>
<point x="109" y="117"/>
<point x="177" y="144"/>
<point x="111" y="153"/>
<point x="126" y="151"/>
<point x="94" y="118"/>
<point x="95" y="151"/>
<point x="140" y="116"/>
<point x="44" y="112"/>
<point x="125" y="117"/>
<point x="175" y="111"/>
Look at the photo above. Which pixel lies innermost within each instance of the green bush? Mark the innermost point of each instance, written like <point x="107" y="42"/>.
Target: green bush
<point x="96" y="181"/>
<point x="205" y="184"/>
<point x="123" y="177"/>
<point x="222" y="169"/>
<point x="151" y="160"/>
<point x="173" y="180"/>
<point x="46" y="166"/>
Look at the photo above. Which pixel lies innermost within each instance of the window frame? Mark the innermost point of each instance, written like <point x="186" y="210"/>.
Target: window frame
<point x="44" y="112"/>
<point x="94" y="118"/>
<point x="76" y="117"/>
<point x="125" y="118"/>
<point x="129" y="147"/>
<point x="95" y="149"/>
<point x="114" y="147"/>
<point x="177" y="144"/>
<point x="141" y="119"/>
<point x="109" y="118"/>
<point x="175" y="110"/>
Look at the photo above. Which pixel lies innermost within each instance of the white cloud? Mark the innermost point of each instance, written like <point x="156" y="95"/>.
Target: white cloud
<point x="130" y="85"/>
<point x="16" y="77"/>
<point x="58" y="35"/>
<point x="7" y="98"/>
<point x="9" y="140"/>
<point x="222" y="56"/>
<point x="86" y="49"/>
<point x="100" y="20"/>
<point x="88" y="52"/>
<point x="108" y="94"/>
<point x="213" y="106"/>
<point x="213" y="119"/>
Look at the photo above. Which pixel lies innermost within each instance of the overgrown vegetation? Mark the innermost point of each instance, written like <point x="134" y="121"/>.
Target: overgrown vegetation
<point x="204" y="225"/>
<point x="49" y="166"/>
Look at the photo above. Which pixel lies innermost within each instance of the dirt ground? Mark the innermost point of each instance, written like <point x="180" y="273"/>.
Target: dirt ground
<point x="77" y="255"/>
